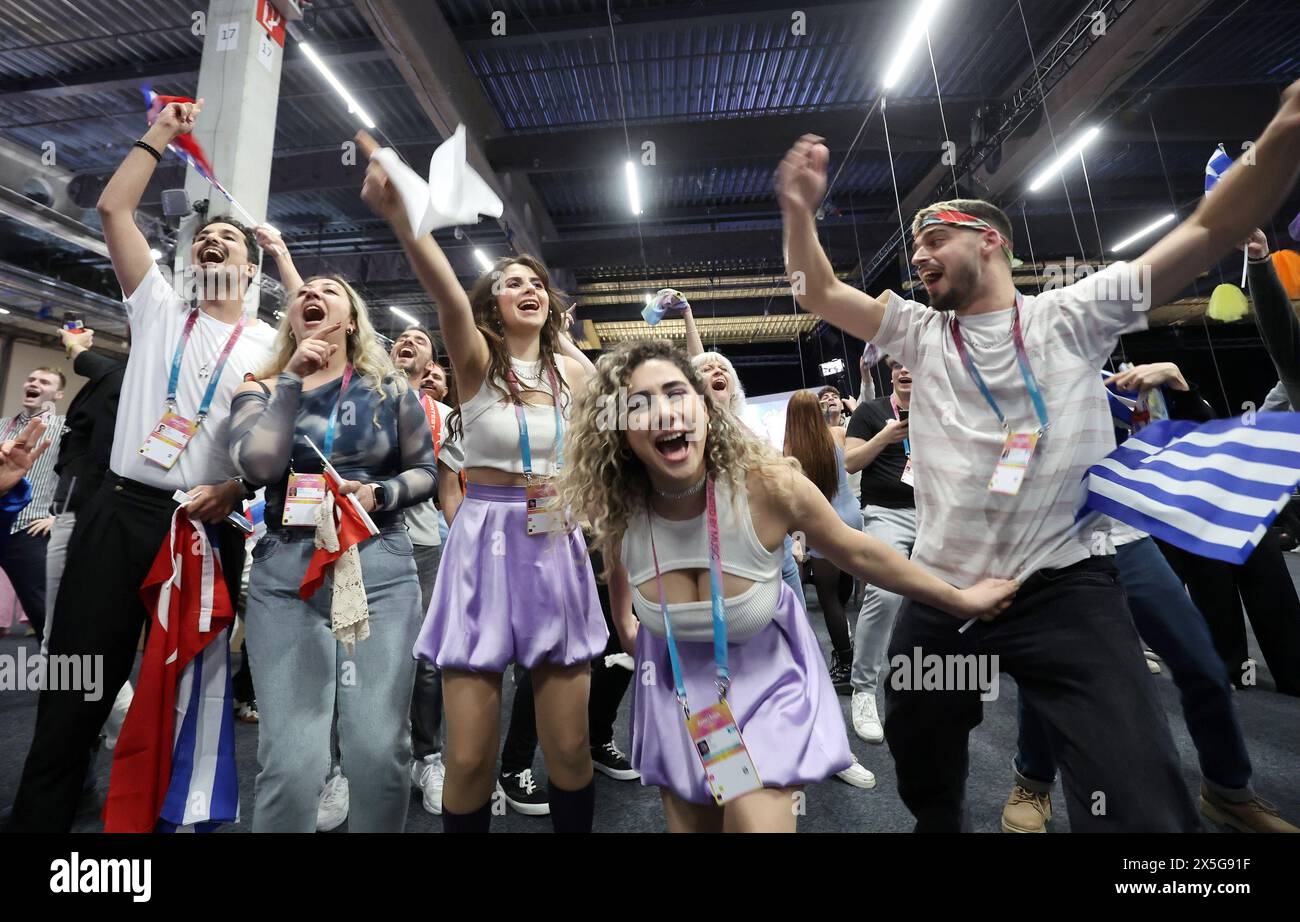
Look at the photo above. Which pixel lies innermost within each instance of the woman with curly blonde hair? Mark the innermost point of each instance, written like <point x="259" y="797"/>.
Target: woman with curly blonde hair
<point x="656" y="465"/>
<point x="331" y="383"/>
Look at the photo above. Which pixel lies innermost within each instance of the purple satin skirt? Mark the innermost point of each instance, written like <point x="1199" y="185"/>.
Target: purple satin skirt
<point x="781" y="696"/>
<point x="503" y="596"/>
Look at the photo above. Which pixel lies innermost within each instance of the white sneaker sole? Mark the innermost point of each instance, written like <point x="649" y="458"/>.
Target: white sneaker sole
<point x="618" y="774"/>
<point x="869" y="737"/>
<point x="847" y="779"/>
<point x="525" y="809"/>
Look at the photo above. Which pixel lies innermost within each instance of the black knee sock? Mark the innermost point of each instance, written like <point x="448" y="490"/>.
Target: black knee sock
<point x="476" y="821"/>
<point x="571" y="811"/>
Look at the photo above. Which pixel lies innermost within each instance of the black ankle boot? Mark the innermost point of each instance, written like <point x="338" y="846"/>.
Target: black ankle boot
<point x="571" y="811"/>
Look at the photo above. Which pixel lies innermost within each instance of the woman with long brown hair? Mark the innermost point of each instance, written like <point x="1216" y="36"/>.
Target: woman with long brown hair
<point x="819" y="448"/>
<point x="515" y="584"/>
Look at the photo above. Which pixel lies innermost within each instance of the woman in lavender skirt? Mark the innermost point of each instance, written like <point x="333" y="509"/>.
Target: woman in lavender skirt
<point x="513" y="586"/>
<point x="644" y="485"/>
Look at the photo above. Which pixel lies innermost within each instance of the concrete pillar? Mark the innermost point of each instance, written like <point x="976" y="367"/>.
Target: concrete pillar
<point x="239" y="81"/>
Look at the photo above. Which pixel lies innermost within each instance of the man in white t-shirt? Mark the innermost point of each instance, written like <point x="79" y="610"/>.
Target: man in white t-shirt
<point x="184" y="367"/>
<point x="1008" y="412"/>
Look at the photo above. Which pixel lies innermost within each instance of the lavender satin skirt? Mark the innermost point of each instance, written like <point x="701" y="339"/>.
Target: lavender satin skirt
<point x="504" y="597"/>
<point x="781" y="696"/>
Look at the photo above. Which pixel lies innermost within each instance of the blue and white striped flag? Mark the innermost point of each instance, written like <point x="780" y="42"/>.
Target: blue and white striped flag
<point x="1209" y="488"/>
<point x="1218" y="165"/>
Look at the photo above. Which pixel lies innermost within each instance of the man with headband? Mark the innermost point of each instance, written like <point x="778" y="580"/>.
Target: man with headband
<point x="1007" y="413"/>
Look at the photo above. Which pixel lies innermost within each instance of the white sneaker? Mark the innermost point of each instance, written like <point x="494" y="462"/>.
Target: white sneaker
<point x="427" y="776"/>
<point x="866" y="721"/>
<point x="857" y="775"/>
<point x="333" y="807"/>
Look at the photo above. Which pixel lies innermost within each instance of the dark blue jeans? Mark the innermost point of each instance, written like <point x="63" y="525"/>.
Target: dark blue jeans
<point x="1171" y="625"/>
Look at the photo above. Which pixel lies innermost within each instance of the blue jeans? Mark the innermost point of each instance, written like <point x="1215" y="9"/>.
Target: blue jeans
<point x="1171" y="625"/>
<point x="302" y="672"/>
<point x="790" y="573"/>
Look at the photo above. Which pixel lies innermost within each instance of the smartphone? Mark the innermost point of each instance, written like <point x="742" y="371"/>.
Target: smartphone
<point x="902" y="415"/>
<point x="73" y="323"/>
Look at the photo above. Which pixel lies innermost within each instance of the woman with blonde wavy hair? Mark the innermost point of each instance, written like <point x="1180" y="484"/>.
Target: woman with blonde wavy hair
<point x="332" y="383"/>
<point x="656" y="466"/>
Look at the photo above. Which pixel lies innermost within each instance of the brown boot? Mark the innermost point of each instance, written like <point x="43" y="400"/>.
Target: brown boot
<point x="1254" y="815"/>
<point x="1026" y="811"/>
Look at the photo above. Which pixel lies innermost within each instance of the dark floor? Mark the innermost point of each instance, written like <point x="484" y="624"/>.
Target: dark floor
<point x="1271" y="723"/>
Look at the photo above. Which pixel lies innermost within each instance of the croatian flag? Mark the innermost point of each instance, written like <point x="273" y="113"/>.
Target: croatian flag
<point x="1210" y="488"/>
<point x="174" y="764"/>
<point x="1215" y="168"/>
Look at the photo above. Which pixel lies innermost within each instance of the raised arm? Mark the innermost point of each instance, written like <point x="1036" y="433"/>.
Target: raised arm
<point x="1247" y="196"/>
<point x="800" y="187"/>
<point x="269" y="239"/>
<point x="465" y="344"/>
<point x="694" y="345"/>
<point x="858" y="453"/>
<point x="1276" y="319"/>
<point x="127" y="247"/>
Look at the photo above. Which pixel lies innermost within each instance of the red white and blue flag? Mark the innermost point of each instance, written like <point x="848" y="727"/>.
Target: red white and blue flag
<point x="174" y="763"/>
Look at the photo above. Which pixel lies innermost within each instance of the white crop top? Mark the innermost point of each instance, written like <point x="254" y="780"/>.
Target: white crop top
<point x="490" y="430"/>
<point x="684" y="545"/>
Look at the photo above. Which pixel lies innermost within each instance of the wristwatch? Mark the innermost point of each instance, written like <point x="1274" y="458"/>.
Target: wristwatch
<point x="249" y="492"/>
<point x="379" y="495"/>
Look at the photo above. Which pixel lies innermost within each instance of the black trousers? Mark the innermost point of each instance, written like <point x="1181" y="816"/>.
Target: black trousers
<point x="99" y="612"/>
<point x="426" y="696"/>
<point x="1263" y="585"/>
<point x="22" y="558"/>
<point x="608" y="685"/>
<point x="1070" y="644"/>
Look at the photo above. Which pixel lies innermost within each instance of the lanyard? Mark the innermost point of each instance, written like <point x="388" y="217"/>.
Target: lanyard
<point x="525" y="448"/>
<point x="334" y="414"/>
<point x="1031" y="383"/>
<point x="175" y="376"/>
<point x="893" y="403"/>
<point x="719" y="615"/>
<point x="435" y="422"/>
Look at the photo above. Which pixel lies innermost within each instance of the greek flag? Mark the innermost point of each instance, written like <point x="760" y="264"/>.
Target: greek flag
<point x="1209" y="488"/>
<point x="1214" y="169"/>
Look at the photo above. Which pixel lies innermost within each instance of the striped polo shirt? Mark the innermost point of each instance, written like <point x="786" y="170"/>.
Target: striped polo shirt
<point x="965" y="532"/>
<point x="41" y="476"/>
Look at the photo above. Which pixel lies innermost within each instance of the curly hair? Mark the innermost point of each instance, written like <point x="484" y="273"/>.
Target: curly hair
<point x="605" y="482"/>
<point x="365" y="353"/>
<point x="487" y="318"/>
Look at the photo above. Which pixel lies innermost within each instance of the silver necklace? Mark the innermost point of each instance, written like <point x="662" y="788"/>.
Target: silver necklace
<point x="689" y="491"/>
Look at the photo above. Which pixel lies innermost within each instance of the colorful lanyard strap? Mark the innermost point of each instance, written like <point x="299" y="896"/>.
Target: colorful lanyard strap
<point x="719" y="610"/>
<point x="334" y="414"/>
<point x="525" y="448"/>
<point x="1031" y="383"/>
<point x="174" y="379"/>
<point x="893" y="403"/>
<point x="432" y="413"/>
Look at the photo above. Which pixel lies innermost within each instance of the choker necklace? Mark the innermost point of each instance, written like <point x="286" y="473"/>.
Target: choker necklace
<point x="689" y="491"/>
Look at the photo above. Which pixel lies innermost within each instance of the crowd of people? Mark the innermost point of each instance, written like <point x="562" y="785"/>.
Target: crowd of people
<point x="613" y="525"/>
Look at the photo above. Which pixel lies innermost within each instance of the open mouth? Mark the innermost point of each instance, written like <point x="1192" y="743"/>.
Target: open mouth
<point x="313" y="313"/>
<point x="673" y="447"/>
<point x="719" y="384"/>
<point x="405" y="352"/>
<point x="32" y="393"/>
<point x="930" y="276"/>
<point x="211" y="253"/>
<point x="529" y="306"/>
<point x="905" y="379"/>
